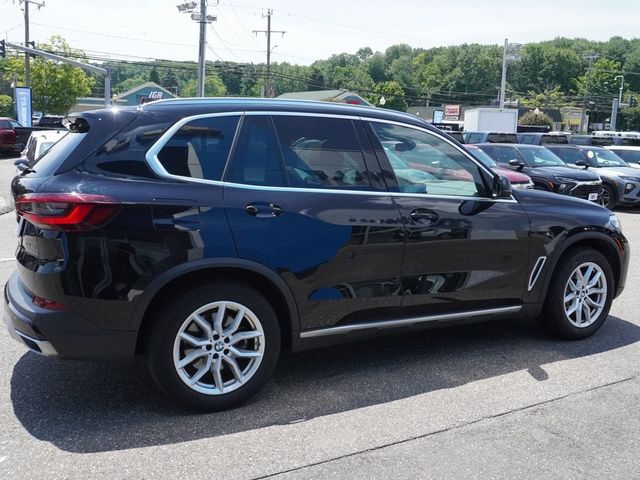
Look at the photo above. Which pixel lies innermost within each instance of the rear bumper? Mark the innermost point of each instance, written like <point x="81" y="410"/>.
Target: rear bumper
<point x="61" y="333"/>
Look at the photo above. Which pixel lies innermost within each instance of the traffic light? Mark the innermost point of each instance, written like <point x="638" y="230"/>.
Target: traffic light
<point x="32" y="44"/>
<point x="3" y="49"/>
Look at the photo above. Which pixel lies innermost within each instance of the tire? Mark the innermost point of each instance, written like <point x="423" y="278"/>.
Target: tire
<point x="177" y="333"/>
<point x="556" y="317"/>
<point x="609" y="198"/>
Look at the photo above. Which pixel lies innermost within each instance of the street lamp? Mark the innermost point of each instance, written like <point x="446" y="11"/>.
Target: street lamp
<point x="537" y="112"/>
<point x="621" y="88"/>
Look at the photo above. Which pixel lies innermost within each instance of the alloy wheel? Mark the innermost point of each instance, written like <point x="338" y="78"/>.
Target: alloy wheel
<point x="218" y="348"/>
<point x="585" y="295"/>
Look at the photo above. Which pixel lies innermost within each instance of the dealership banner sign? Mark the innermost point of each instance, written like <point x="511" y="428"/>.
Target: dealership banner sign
<point x="23" y="105"/>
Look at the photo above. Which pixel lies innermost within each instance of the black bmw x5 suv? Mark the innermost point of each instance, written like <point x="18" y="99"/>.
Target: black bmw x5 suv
<point x="207" y="235"/>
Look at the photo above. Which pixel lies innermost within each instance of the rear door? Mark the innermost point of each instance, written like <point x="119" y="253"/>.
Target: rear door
<point x="464" y="250"/>
<point x="304" y="198"/>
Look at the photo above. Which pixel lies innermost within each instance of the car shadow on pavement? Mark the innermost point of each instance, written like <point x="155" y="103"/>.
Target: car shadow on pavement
<point x="95" y="407"/>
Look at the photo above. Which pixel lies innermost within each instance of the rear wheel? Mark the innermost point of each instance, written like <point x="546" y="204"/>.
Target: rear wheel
<point x="609" y="199"/>
<point x="214" y="346"/>
<point x="579" y="296"/>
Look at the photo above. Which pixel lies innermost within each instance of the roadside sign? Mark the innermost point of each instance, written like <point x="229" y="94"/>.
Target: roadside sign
<point x="23" y="105"/>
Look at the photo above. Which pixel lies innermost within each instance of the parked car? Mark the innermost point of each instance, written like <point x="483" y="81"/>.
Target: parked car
<point x="207" y="235"/>
<point x="8" y="138"/>
<point x="620" y="182"/>
<point x="543" y="138"/>
<point x="51" y="121"/>
<point x="629" y="154"/>
<point x="39" y="142"/>
<point x="591" y="140"/>
<point x="547" y="171"/>
<point x="489" y="137"/>
<point x="517" y="179"/>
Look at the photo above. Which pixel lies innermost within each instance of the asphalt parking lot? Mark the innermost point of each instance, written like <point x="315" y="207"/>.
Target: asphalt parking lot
<point x="495" y="400"/>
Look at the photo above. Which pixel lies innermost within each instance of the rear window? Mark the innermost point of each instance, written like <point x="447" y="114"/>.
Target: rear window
<point x="502" y="138"/>
<point x="554" y="140"/>
<point x="48" y="163"/>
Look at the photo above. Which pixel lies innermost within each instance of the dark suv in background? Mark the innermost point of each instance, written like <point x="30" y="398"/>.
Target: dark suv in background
<point x="547" y="171"/>
<point x="207" y="235"/>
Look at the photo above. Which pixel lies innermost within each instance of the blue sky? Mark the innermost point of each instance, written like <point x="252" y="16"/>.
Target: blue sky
<point x="315" y="30"/>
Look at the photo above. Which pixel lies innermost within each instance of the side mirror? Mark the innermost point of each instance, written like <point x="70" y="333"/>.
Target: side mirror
<point x="501" y="187"/>
<point x="516" y="163"/>
<point x="582" y="163"/>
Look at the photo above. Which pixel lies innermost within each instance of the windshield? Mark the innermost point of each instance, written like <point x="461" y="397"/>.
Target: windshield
<point x="604" y="158"/>
<point x="485" y="159"/>
<point x="541" y="157"/>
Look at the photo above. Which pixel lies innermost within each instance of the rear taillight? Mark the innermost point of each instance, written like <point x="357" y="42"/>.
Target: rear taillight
<point x="48" y="304"/>
<point x="66" y="211"/>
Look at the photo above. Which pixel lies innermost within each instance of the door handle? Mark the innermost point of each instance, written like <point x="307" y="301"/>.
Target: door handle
<point x="424" y="217"/>
<point x="263" y="210"/>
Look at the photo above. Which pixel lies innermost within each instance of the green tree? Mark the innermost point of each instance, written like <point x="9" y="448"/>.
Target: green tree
<point x="56" y="87"/>
<point x="392" y="93"/>
<point x="553" y="98"/>
<point x="530" y="118"/>
<point x="601" y="80"/>
<point x="154" y="76"/>
<point x="129" y="83"/>
<point x="6" y="106"/>
<point x="213" y="87"/>
<point x="169" y="80"/>
<point x="631" y="118"/>
<point x="351" y="78"/>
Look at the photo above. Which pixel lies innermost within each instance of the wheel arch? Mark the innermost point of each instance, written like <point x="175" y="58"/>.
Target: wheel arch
<point x="253" y="274"/>
<point x="599" y="241"/>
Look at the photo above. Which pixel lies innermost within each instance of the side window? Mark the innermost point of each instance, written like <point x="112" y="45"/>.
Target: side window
<point x="200" y="148"/>
<point x="321" y="153"/>
<point x="474" y="138"/>
<point x="504" y="154"/>
<point x="425" y="163"/>
<point x="528" y="139"/>
<point x="256" y="159"/>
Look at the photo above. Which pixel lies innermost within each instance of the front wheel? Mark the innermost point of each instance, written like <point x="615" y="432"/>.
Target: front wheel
<point x="579" y="296"/>
<point x="214" y="346"/>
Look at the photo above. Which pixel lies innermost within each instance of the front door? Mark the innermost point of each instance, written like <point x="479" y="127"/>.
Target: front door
<point x="464" y="250"/>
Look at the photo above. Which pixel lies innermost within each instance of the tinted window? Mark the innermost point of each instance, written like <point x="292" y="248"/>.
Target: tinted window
<point x="502" y="155"/>
<point x="630" y="156"/>
<point x="428" y="164"/>
<point x="256" y="159"/>
<point x="502" y="138"/>
<point x="200" y="148"/>
<point x="321" y="152"/>
<point x="569" y="155"/>
<point x="554" y="139"/>
<point x="577" y="140"/>
<point x="529" y="139"/>
<point x="474" y="138"/>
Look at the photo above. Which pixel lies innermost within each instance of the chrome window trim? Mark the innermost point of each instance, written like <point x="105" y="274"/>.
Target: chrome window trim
<point x="152" y="154"/>
<point x="156" y="166"/>
<point x="402" y="322"/>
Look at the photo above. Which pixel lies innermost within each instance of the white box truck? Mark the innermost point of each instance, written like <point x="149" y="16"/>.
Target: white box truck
<point x="491" y="120"/>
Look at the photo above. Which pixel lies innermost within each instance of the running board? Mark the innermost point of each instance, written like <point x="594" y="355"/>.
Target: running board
<point x="404" y="322"/>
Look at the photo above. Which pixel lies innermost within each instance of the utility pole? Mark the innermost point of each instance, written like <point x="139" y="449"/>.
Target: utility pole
<point x="503" y="83"/>
<point x="201" y="47"/>
<point x="268" y="90"/>
<point x="202" y="18"/>
<point x="614" y="115"/>
<point x="27" y="65"/>
<point x="585" y="128"/>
